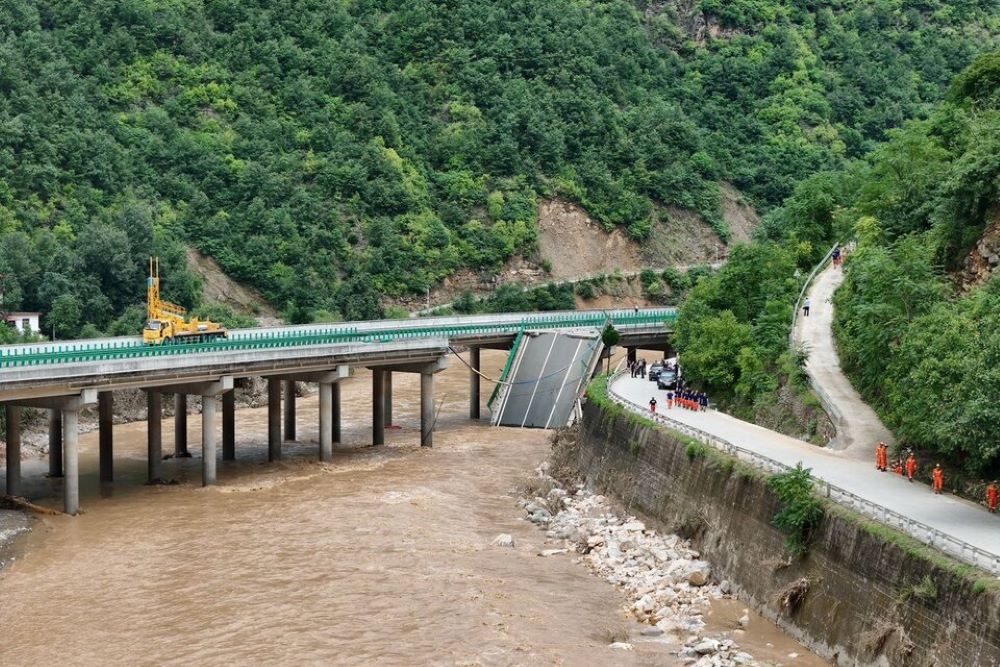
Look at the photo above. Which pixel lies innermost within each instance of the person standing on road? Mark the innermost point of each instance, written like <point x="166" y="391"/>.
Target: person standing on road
<point x="938" y="478"/>
<point x="911" y="467"/>
<point x="703" y="401"/>
<point x="882" y="457"/>
<point x="805" y="306"/>
<point x="652" y="404"/>
<point x="642" y="369"/>
<point x="992" y="497"/>
<point x="670" y="400"/>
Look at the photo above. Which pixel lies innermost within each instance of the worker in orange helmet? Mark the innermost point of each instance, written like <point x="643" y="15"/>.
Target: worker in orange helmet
<point x="938" y="478"/>
<point x="881" y="457"/>
<point x="885" y="457"/>
<point x="992" y="496"/>
<point x="911" y="467"/>
<point x="898" y="468"/>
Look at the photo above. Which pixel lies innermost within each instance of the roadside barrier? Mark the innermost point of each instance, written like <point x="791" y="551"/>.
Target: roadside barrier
<point x="952" y="546"/>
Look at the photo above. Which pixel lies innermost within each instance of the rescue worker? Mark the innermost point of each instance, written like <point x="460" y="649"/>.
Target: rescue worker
<point x="881" y="457"/>
<point x="652" y="404"/>
<point x="911" y="467"/>
<point x="992" y="497"/>
<point x="898" y="469"/>
<point x="938" y="476"/>
<point x="670" y="400"/>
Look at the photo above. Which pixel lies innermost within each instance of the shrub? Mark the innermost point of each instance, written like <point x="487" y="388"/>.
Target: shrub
<point x="801" y="511"/>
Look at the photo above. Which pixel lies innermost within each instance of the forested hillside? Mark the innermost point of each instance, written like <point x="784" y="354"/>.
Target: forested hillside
<point x="330" y="153"/>
<point x="918" y="344"/>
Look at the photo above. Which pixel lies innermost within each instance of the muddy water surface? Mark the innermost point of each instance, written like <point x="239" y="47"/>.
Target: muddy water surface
<point x="381" y="557"/>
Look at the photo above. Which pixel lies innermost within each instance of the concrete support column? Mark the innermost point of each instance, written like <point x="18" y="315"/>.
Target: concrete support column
<point x="387" y="392"/>
<point x="289" y="409"/>
<point x="426" y="409"/>
<point x="55" y="443"/>
<point x="181" y="426"/>
<point x="335" y="411"/>
<point x="378" y="407"/>
<point x="71" y="436"/>
<point x="326" y="421"/>
<point x="154" y="445"/>
<point x="273" y="419"/>
<point x="229" y="425"/>
<point x="13" y="449"/>
<point x="473" y="383"/>
<point x="106" y="425"/>
<point x="208" y="454"/>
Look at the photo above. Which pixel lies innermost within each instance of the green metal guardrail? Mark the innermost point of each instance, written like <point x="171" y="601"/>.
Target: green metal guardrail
<point x="506" y="368"/>
<point x="58" y="354"/>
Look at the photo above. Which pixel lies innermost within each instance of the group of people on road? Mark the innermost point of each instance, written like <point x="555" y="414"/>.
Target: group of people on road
<point x="637" y="367"/>
<point x="687" y="399"/>
<point x="909" y="468"/>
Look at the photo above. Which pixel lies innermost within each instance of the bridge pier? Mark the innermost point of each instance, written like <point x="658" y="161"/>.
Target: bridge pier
<point x="474" y="397"/>
<point x="335" y="412"/>
<point x="13" y="413"/>
<point x="229" y="425"/>
<point x="154" y="427"/>
<point x="181" y="426"/>
<point x="71" y="444"/>
<point x="290" y="410"/>
<point x="55" y="443"/>
<point x="387" y="389"/>
<point x="427" y="409"/>
<point x="378" y="406"/>
<point x="105" y="424"/>
<point x="208" y="454"/>
<point x="273" y="419"/>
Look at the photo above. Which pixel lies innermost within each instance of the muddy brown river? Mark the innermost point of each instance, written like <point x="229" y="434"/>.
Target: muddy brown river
<point x="381" y="557"/>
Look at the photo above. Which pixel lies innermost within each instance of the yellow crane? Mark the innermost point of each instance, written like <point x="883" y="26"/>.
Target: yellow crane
<point x="165" y="322"/>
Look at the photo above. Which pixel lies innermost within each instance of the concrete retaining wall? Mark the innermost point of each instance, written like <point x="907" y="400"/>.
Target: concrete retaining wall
<point x="867" y="602"/>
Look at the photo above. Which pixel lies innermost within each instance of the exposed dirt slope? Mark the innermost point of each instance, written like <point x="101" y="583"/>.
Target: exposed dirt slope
<point x="577" y="246"/>
<point x="220" y="288"/>
<point x="983" y="260"/>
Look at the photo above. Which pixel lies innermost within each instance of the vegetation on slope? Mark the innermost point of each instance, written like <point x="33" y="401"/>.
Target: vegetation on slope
<point x="332" y="153"/>
<point x="925" y="354"/>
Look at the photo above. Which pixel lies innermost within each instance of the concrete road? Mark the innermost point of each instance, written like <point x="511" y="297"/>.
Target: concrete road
<point x="858" y="427"/>
<point x="950" y="515"/>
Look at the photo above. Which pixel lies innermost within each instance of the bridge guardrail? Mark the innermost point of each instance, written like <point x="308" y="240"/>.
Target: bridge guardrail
<point x="17" y="356"/>
<point x="928" y="535"/>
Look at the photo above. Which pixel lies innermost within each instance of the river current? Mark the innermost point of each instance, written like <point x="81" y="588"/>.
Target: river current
<point x="383" y="556"/>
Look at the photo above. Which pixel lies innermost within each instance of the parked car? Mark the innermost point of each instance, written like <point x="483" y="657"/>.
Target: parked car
<point x="653" y="371"/>
<point x="666" y="379"/>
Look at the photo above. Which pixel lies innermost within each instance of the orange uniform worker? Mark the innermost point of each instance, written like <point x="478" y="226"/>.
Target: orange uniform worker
<point x="881" y="457"/>
<point x="911" y="467"/>
<point x="670" y="400"/>
<point x="898" y="469"/>
<point x="938" y="476"/>
<point x="992" y="496"/>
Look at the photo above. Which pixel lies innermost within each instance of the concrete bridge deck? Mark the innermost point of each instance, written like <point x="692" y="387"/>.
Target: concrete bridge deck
<point x="65" y="377"/>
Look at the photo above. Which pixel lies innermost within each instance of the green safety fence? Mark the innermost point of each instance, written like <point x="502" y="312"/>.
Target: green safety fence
<point x="15" y="356"/>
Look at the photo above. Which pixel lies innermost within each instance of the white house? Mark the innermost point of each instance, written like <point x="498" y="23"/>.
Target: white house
<point x="22" y="321"/>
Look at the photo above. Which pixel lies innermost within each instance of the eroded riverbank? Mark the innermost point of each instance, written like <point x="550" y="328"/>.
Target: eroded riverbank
<point x="383" y="556"/>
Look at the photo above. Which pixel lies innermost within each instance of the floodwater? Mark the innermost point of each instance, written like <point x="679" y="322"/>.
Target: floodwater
<point x="381" y="557"/>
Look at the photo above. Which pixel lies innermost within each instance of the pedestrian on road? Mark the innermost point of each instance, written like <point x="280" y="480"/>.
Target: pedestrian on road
<point x="703" y="401"/>
<point x="805" y="306"/>
<point x="652" y="404"/>
<point x="938" y="478"/>
<point x="992" y="497"/>
<point x="836" y="256"/>
<point x="642" y="369"/>
<point x="882" y="457"/>
<point x="670" y="400"/>
<point x="911" y="467"/>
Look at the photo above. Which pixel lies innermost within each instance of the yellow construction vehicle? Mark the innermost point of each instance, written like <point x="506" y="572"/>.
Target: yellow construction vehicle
<point x="165" y="323"/>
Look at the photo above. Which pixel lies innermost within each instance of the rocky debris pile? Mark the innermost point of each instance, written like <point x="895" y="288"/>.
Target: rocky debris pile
<point x="666" y="583"/>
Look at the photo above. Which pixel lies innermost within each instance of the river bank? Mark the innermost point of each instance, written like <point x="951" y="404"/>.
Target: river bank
<point x="383" y="556"/>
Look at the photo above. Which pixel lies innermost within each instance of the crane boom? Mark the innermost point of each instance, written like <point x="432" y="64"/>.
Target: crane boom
<point x="165" y="321"/>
